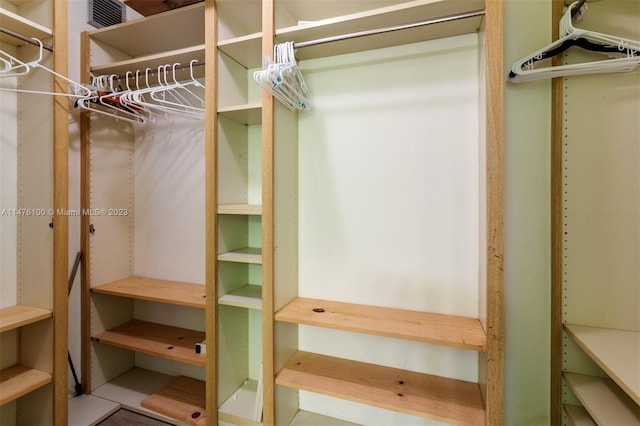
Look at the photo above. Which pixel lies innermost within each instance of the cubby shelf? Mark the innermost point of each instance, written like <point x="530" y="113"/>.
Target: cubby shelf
<point x="20" y="315"/>
<point x="18" y="380"/>
<point x="183" y="398"/>
<point x="604" y="400"/>
<point x="243" y="255"/>
<point x="155" y="339"/>
<point x="238" y="407"/>
<point x="248" y="114"/>
<point x="21" y="25"/>
<point x="578" y="415"/>
<point x="248" y="296"/>
<point x="175" y="293"/>
<point x="240" y="209"/>
<point x="424" y="395"/>
<point x="616" y="351"/>
<point x="448" y="330"/>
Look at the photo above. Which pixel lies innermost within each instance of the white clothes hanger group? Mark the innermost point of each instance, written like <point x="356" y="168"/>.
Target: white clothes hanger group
<point x="146" y="101"/>
<point x="623" y="54"/>
<point x="283" y="79"/>
<point x="12" y="67"/>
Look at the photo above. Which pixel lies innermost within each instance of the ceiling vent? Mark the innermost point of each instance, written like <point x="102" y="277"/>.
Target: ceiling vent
<point x="104" y="13"/>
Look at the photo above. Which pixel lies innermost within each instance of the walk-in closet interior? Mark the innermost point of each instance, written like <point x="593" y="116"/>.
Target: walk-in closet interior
<point x="33" y="200"/>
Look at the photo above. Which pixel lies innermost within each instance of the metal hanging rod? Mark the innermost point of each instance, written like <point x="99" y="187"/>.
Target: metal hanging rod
<point x="24" y="38"/>
<point x="375" y="31"/>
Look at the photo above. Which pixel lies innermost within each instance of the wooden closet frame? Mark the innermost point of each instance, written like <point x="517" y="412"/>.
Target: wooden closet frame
<point x="492" y="360"/>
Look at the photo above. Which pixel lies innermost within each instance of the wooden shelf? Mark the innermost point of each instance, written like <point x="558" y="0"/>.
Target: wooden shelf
<point x="448" y="330"/>
<point x="155" y="339"/>
<point x="238" y="407"/>
<point x="132" y="387"/>
<point x="19" y="315"/>
<point x="616" y="351"/>
<point x="578" y="415"/>
<point x="248" y="296"/>
<point x="249" y="114"/>
<point x="306" y="418"/>
<point x="182" y="56"/>
<point x="604" y="400"/>
<point x="246" y="50"/>
<point x="183" y="399"/>
<point x="18" y="24"/>
<point x="156" y="29"/>
<point x="244" y="255"/>
<point x="433" y="397"/>
<point x="175" y="293"/>
<point x="18" y="380"/>
<point x="240" y="209"/>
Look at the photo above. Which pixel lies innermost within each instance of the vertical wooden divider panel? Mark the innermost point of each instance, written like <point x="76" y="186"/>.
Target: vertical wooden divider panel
<point x="60" y="221"/>
<point x="211" y="202"/>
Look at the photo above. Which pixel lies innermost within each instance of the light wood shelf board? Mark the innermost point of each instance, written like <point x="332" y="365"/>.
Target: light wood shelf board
<point x="182" y="56"/>
<point x="132" y="387"/>
<point x="240" y="404"/>
<point x="240" y="209"/>
<point x="244" y="255"/>
<point x="172" y="292"/>
<point x="433" y="397"/>
<point x="578" y="416"/>
<point x="617" y="352"/>
<point x="153" y="34"/>
<point x="16" y="316"/>
<point x="448" y="330"/>
<point x="18" y="380"/>
<point x="604" y="400"/>
<point x="182" y="399"/>
<point x="21" y="25"/>
<point x="307" y="418"/>
<point x="90" y="409"/>
<point x="249" y="114"/>
<point x="248" y="296"/>
<point x="155" y="339"/>
<point x="246" y="50"/>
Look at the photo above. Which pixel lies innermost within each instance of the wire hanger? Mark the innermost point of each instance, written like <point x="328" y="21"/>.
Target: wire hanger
<point x="623" y="54"/>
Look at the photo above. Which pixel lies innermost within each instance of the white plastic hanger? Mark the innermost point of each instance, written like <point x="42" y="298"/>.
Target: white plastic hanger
<point x="623" y="54"/>
<point x="78" y="89"/>
<point x="106" y="101"/>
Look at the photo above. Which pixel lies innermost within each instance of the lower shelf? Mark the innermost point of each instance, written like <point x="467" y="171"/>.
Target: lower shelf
<point x="18" y="380"/>
<point x="433" y="397"/>
<point x="578" y="416"/>
<point x="182" y="399"/>
<point x="155" y="339"/>
<point x="240" y="408"/>
<point x="604" y="400"/>
<point x="306" y="418"/>
<point x="132" y="387"/>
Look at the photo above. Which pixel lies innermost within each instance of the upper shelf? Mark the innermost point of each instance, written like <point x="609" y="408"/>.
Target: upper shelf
<point x="246" y="49"/>
<point x="23" y="26"/>
<point x="616" y="351"/>
<point x="175" y="293"/>
<point x="19" y="315"/>
<point x="448" y="330"/>
<point x="156" y="34"/>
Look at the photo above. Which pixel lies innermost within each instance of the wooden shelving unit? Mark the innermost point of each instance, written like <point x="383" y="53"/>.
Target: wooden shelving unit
<point x="175" y="293"/>
<point x="18" y="380"/>
<point x="18" y="316"/>
<point x="248" y="296"/>
<point x="246" y="114"/>
<point x="448" y="330"/>
<point x="422" y="395"/>
<point x="155" y="339"/>
<point x="606" y="403"/>
<point x="616" y="351"/>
